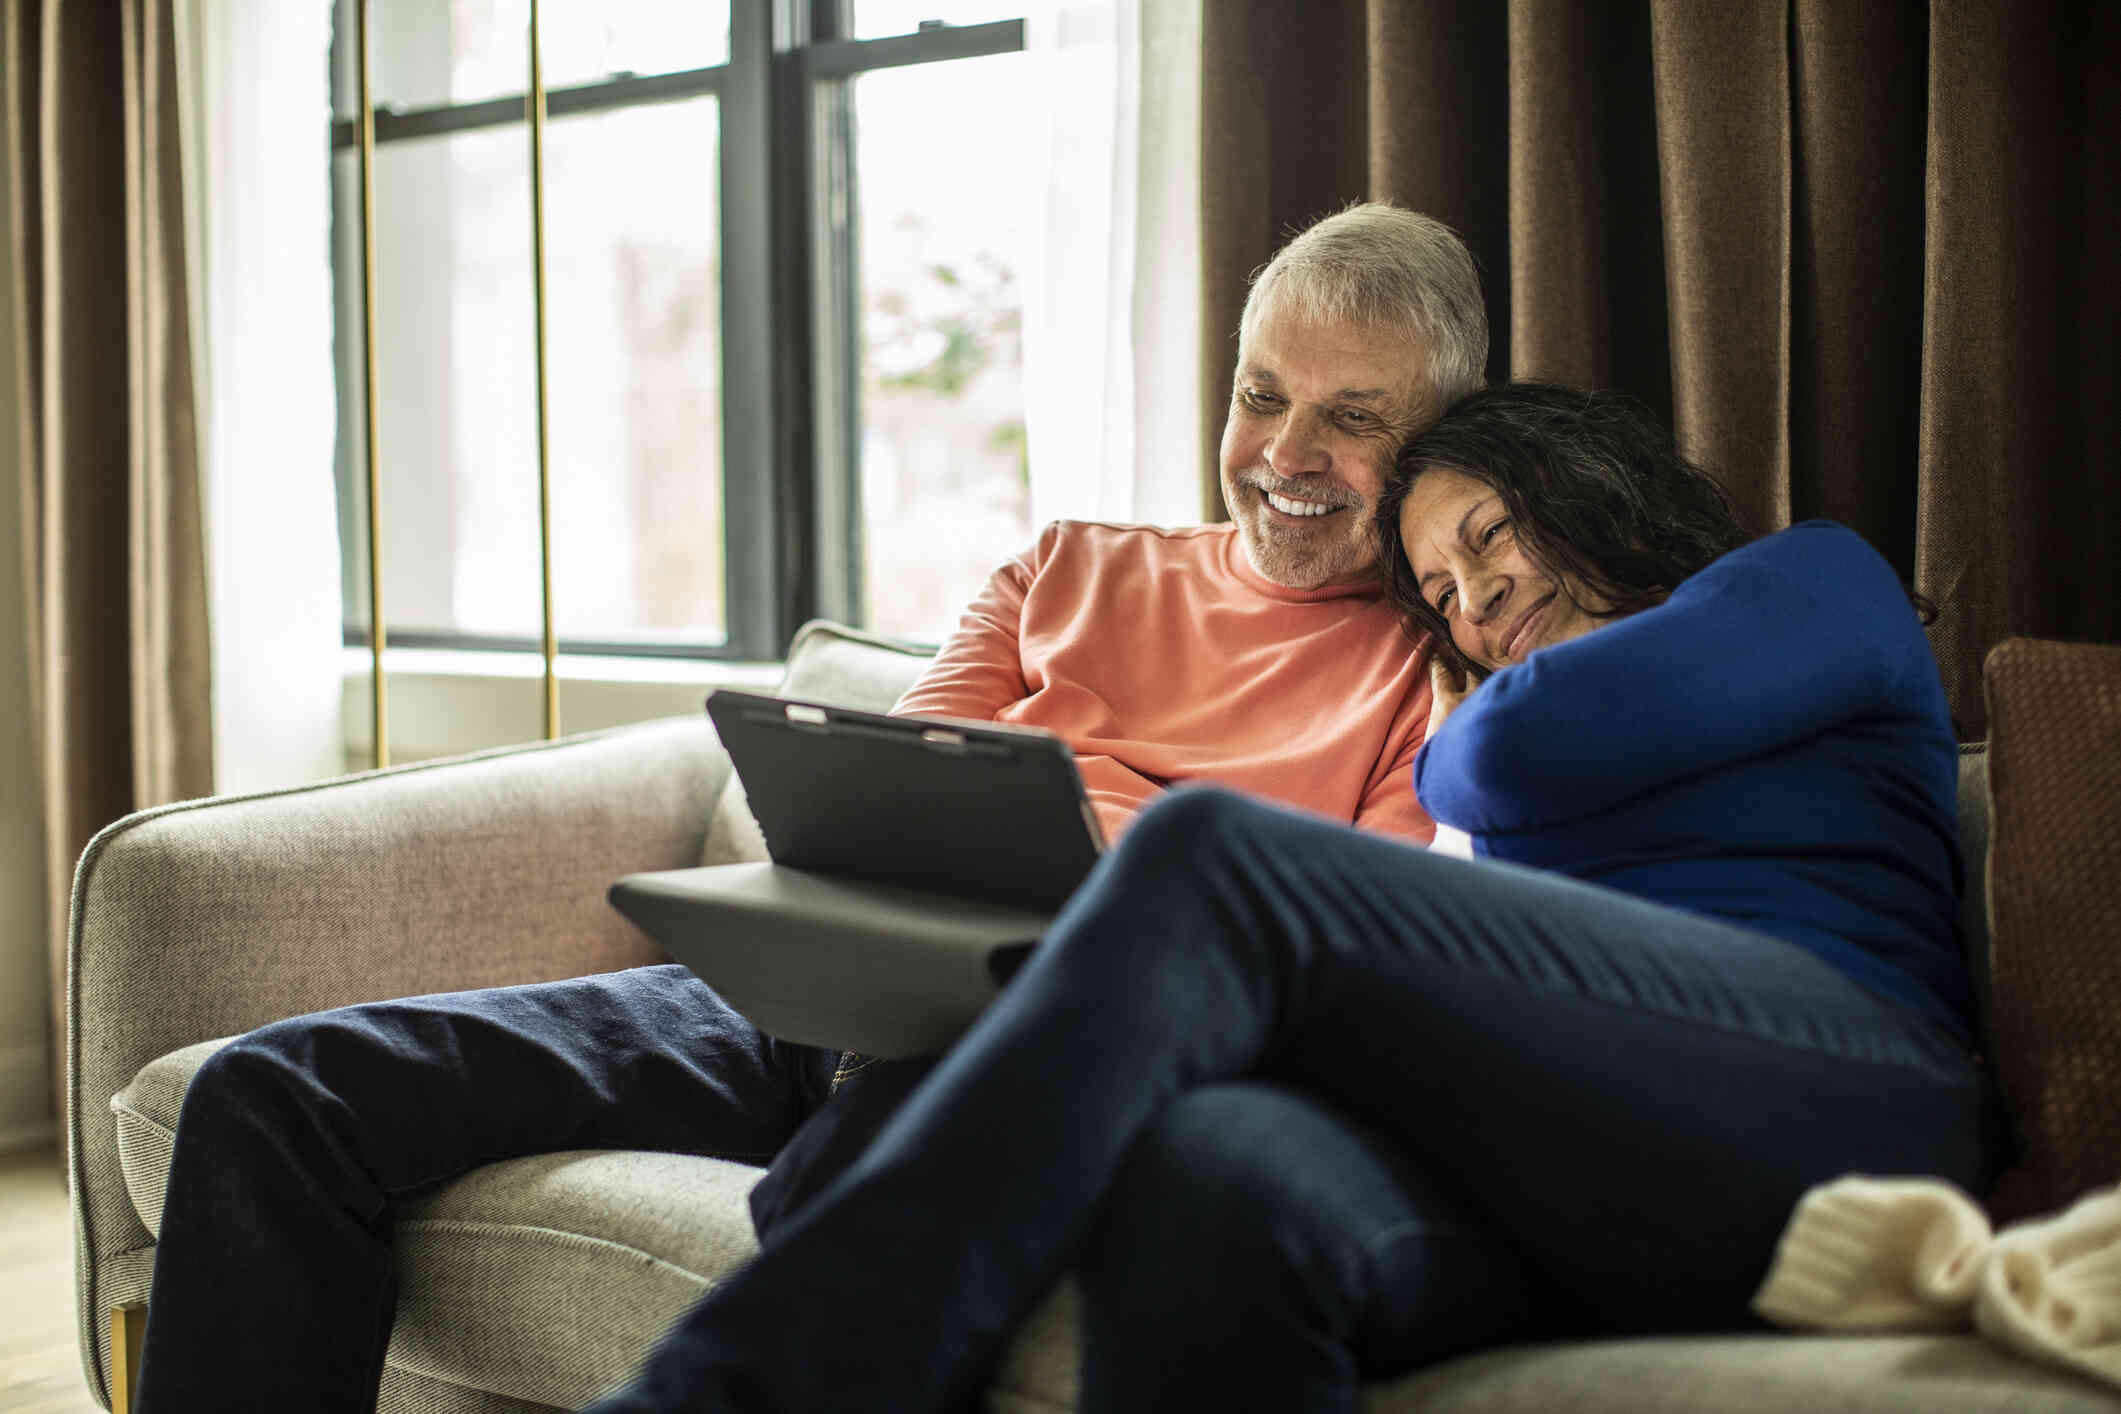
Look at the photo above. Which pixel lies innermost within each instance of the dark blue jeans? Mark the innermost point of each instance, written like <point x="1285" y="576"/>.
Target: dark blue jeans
<point x="273" y="1285"/>
<point x="1551" y="1104"/>
<point x="1251" y="1216"/>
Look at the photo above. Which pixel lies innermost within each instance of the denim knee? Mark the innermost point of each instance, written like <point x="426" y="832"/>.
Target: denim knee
<point x="246" y="1069"/>
<point x="248" y="1107"/>
<point x="258" y="1078"/>
<point x="1181" y="826"/>
<point x="1171" y="915"/>
<point x="304" y="1073"/>
<point x="1181" y="853"/>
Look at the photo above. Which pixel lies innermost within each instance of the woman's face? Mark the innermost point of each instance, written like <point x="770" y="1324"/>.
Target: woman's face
<point x="1499" y="603"/>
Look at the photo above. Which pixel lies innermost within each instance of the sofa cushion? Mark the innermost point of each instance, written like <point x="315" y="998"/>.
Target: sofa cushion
<point x="829" y="662"/>
<point x="548" y="1277"/>
<point x="2054" y="859"/>
<point x="1745" y="1374"/>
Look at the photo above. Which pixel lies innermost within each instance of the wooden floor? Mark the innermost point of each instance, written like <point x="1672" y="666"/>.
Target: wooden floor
<point x="40" y="1364"/>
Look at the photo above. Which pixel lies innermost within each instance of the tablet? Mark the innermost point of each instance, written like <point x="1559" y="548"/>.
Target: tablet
<point x="971" y="809"/>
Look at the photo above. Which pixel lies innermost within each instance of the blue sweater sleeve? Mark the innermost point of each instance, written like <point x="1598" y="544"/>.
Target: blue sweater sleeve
<point x="1772" y="643"/>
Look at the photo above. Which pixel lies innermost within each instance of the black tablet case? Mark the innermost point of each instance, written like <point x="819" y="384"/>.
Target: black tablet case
<point x="915" y="861"/>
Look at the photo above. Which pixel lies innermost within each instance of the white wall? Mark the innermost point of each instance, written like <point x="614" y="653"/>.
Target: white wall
<point x="25" y="1070"/>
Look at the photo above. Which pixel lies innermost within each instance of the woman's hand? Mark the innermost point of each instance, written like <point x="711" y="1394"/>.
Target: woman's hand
<point x="1447" y="688"/>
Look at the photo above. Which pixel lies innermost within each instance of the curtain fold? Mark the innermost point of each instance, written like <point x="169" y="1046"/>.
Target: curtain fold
<point x="1724" y="156"/>
<point x="1434" y="108"/>
<point x="1282" y="117"/>
<point x="1993" y="539"/>
<point x="116" y="595"/>
<point x="1586" y="294"/>
<point x="1856" y="295"/>
<point x="1862" y="257"/>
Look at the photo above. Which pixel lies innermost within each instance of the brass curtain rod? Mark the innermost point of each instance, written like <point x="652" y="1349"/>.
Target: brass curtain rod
<point x="535" y="101"/>
<point x="378" y="694"/>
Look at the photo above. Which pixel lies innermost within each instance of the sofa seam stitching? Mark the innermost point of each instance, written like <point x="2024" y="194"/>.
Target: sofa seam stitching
<point x="560" y="1237"/>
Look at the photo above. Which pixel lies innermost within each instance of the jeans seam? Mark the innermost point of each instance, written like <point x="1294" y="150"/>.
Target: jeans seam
<point x="1666" y="1013"/>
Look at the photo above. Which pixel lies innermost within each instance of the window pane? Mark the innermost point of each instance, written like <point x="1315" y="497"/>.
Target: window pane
<point x="633" y="340"/>
<point x="454" y="380"/>
<point x="430" y="53"/>
<point x="633" y="328"/>
<point x="874" y="19"/>
<point x="944" y="217"/>
<point x="586" y="40"/>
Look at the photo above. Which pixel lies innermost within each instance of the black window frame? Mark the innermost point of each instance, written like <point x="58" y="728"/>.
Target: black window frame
<point x="791" y="409"/>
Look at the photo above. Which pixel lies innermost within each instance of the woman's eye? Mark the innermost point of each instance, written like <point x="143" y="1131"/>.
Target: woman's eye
<point x="1443" y="600"/>
<point x="1488" y="538"/>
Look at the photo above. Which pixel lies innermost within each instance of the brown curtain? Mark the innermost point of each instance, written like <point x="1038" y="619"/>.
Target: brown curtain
<point x="116" y="601"/>
<point x="1863" y="256"/>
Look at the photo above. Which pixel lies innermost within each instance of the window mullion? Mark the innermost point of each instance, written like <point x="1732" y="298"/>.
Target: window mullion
<point x="762" y="448"/>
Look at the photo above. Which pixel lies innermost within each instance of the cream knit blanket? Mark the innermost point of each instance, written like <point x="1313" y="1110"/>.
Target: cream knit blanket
<point x="1877" y="1254"/>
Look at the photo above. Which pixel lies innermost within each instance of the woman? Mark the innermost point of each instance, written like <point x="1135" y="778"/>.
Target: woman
<point x="1306" y="1106"/>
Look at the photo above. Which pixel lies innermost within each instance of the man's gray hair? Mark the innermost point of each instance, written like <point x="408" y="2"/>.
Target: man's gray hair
<point x="1380" y="266"/>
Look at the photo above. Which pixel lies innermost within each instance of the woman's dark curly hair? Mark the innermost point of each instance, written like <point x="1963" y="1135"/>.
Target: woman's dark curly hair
<point x="1595" y="491"/>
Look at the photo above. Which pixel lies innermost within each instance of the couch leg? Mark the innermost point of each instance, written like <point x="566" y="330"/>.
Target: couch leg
<point x="128" y="1324"/>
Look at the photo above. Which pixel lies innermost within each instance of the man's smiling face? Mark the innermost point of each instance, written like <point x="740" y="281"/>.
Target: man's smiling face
<point x="1317" y="412"/>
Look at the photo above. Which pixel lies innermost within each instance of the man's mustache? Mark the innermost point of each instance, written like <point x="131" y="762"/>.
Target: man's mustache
<point x="1302" y="488"/>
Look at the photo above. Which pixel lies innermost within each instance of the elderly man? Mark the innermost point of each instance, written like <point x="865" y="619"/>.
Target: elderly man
<point x="1256" y="655"/>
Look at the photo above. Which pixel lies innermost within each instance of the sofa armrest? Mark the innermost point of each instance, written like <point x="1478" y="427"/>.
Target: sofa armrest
<point x="212" y="917"/>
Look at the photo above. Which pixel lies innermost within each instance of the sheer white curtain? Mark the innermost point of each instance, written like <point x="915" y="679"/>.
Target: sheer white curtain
<point x="1112" y="318"/>
<point x="258" y="224"/>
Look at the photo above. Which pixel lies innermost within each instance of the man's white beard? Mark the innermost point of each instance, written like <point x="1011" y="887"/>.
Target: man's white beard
<point x="1297" y="560"/>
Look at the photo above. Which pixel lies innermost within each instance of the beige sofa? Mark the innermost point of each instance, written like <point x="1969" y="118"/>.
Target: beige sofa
<point x="537" y="1283"/>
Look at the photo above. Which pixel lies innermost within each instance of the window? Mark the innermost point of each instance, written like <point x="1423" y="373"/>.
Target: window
<point x="785" y="246"/>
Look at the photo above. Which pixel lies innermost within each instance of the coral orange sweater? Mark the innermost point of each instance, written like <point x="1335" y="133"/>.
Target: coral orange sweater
<point x="1162" y="656"/>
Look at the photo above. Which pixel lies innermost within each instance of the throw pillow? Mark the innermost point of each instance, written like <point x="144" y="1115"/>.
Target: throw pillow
<point x="2055" y="911"/>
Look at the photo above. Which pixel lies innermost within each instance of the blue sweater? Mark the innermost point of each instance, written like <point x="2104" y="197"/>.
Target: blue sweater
<point x="1769" y="746"/>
